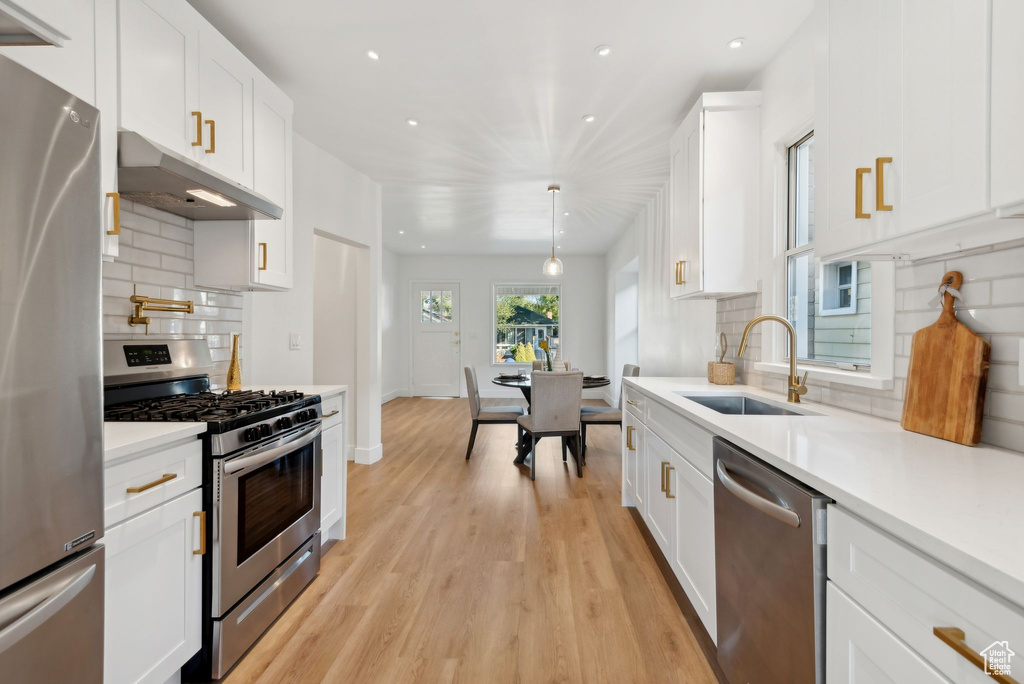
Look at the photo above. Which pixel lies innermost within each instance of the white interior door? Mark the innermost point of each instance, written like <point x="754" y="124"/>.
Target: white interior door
<point x="436" y="347"/>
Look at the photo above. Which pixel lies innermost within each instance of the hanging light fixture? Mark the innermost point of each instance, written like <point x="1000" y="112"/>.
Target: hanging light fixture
<point x="553" y="266"/>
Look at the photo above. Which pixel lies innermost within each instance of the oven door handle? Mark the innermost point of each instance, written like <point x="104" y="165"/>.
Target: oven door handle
<point x="280" y="448"/>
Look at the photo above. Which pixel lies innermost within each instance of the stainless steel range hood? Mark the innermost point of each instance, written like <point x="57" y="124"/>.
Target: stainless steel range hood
<point x="153" y="175"/>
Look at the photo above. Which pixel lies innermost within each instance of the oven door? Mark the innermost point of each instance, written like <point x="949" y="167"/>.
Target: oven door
<point x="266" y="504"/>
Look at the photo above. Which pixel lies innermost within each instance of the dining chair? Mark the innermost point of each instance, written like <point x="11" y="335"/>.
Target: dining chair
<point x="554" y="412"/>
<point x="489" y="415"/>
<point x="538" y="365"/>
<point x="604" y="415"/>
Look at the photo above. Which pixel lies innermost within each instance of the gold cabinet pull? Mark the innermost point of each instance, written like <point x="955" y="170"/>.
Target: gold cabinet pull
<point x="116" y="197"/>
<point x="680" y="272"/>
<point x="859" y="208"/>
<point x="263" y="266"/>
<point x="198" y="142"/>
<point x="668" y="482"/>
<point x="202" y="533"/>
<point x="663" y="464"/>
<point x="213" y="136"/>
<point x="629" y="438"/>
<point x="880" y="204"/>
<point x="633" y="403"/>
<point x="956" y="640"/>
<point x="167" y="477"/>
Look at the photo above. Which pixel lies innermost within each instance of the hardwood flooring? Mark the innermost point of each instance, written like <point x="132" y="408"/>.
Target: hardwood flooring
<point x="466" y="571"/>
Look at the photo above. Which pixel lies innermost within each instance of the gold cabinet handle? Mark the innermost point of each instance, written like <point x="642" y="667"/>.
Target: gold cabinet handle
<point x="955" y="639"/>
<point x="629" y="438"/>
<point x="263" y="247"/>
<point x="166" y="478"/>
<point x="663" y="464"/>
<point x="633" y="403"/>
<point x="880" y="204"/>
<point x="859" y="208"/>
<point x="668" y="482"/>
<point x="680" y="272"/>
<point x="198" y="142"/>
<point x="332" y="413"/>
<point x="213" y="136"/>
<point x="116" y="197"/>
<point x="202" y="533"/>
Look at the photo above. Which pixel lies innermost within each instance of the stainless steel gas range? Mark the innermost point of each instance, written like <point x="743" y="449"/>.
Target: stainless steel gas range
<point x="261" y="485"/>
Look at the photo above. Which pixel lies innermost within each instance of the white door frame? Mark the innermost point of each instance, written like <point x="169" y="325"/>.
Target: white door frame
<point x="455" y="328"/>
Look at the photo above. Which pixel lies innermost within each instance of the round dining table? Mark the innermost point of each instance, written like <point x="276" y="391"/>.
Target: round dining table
<point x="523" y="383"/>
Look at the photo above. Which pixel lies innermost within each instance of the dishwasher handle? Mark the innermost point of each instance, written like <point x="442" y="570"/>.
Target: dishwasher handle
<point x="780" y="513"/>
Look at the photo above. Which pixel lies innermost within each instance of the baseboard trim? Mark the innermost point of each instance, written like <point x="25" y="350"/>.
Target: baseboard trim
<point x="369" y="456"/>
<point x="395" y="394"/>
<point x="692" y="619"/>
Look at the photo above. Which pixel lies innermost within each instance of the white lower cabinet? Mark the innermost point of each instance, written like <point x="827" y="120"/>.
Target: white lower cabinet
<point x="860" y="650"/>
<point x="661" y="507"/>
<point x="332" y="484"/>
<point x="153" y="592"/>
<point x="694" y="558"/>
<point x="633" y="461"/>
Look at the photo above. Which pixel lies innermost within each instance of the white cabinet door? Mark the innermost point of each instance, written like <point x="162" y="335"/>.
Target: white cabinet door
<point x="332" y="484"/>
<point x="685" y="205"/>
<point x="632" y="461"/>
<point x="1007" y="103"/>
<point x="159" y="49"/>
<point x="661" y="509"/>
<point x="152" y="622"/>
<point x="225" y="100"/>
<point x="272" y="129"/>
<point x="860" y="650"/>
<point x="694" y="559"/>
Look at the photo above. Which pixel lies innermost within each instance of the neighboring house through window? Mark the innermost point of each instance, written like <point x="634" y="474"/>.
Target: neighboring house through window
<point x="525" y="316"/>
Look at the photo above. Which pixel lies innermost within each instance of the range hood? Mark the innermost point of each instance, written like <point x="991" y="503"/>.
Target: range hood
<point x="154" y="176"/>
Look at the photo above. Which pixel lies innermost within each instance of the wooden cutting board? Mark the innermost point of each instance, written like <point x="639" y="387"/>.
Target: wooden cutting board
<point x="947" y="376"/>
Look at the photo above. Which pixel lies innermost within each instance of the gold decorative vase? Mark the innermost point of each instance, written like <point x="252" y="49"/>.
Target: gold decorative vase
<point x="234" y="369"/>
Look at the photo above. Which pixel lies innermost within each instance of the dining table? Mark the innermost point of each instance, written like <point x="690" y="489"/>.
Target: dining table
<point x="523" y="383"/>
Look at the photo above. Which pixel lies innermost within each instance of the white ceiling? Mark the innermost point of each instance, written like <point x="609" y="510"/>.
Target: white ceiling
<point x="500" y="89"/>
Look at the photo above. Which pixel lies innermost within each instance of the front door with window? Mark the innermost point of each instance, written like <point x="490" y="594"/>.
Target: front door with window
<point x="436" y="347"/>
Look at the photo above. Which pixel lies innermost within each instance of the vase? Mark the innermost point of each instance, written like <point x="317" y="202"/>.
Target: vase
<point x="234" y="369"/>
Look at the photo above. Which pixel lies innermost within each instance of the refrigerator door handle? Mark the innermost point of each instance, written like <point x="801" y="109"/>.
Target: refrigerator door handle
<point x="780" y="513"/>
<point x="49" y="605"/>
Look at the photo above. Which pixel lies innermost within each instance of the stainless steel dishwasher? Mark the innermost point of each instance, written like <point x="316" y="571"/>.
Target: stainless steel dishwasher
<point x="770" y="572"/>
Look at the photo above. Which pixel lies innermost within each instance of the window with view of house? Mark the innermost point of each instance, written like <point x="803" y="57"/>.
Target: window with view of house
<point x="828" y="304"/>
<point x="525" y="316"/>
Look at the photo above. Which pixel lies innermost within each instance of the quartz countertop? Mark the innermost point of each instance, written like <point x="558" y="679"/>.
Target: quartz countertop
<point x="124" y="439"/>
<point x="961" y="505"/>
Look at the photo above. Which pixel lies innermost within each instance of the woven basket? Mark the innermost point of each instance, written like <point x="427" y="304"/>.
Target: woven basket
<point x="711" y="370"/>
<point x="722" y="373"/>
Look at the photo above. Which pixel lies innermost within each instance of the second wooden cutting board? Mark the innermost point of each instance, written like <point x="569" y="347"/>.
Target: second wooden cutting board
<point x="946" y="380"/>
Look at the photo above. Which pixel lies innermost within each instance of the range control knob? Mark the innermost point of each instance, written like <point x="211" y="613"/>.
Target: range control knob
<point x="284" y="423"/>
<point x="251" y="435"/>
<point x="265" y="430"/>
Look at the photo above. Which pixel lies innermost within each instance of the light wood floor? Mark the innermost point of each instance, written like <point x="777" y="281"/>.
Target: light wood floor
<point x="467" y="571"/>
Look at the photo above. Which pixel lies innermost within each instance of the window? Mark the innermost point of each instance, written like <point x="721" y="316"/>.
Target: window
<point x="829" y="305"/>
<point x="525" y="316"/>
<point x="435" y="306"/>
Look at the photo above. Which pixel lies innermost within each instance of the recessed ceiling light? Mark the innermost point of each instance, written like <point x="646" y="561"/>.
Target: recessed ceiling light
<point x="373" y="54"/>
<point x="412" y="122"/>
<point x="603" y="50"/>
<point x="559" y="246"/>
<point x="561" y="232"/>
<point x="736" y="43"/>
<point x="401" y="232"/>
<point x="423" y="246"/>
<point x="588" y="118"/>
<point x="565" y="213"/>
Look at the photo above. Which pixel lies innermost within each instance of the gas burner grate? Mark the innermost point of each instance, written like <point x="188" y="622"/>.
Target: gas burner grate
<point x="203" y="406"/>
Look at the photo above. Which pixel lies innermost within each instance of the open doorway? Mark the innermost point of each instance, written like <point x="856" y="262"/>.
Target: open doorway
<point x="626" y="342"/>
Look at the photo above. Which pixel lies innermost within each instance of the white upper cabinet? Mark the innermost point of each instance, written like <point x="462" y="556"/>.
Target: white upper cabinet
<point x="903" y="129"/>
<point x="714" y="197"/>
<point x="272" y="127"/>
<point x="159" y="73"/>
<point x="1007" y="105"/>
<point x="35" y="22"/>
<point x="226" y="104"/>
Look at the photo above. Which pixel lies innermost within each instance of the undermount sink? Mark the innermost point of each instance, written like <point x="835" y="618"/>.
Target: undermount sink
<point x="739" y="405"/>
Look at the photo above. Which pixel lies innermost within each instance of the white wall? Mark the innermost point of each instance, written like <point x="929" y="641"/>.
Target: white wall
<point x="583" y="310"/>
<point x="394" y="330"/>
<point x="333" y="199"/>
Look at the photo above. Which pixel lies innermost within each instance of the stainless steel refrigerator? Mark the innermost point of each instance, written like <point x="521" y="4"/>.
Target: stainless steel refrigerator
<point x="51" y="423"/>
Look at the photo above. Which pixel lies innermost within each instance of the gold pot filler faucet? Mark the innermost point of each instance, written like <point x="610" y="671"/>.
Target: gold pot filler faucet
<point x="142" y="304"/>
<point x="797" y="385"/>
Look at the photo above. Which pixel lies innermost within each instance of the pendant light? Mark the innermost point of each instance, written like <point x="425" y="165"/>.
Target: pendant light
<point x="553" y="266"/>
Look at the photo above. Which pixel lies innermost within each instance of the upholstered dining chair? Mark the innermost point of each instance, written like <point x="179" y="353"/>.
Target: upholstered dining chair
<point x="490" y="415"/>
<point x="604" y="415"/>
<point x="538" y="365"/>
<point x="554" y="412"/>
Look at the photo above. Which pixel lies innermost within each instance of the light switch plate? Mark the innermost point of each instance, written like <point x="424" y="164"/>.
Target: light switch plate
<point x="294" y="341"/>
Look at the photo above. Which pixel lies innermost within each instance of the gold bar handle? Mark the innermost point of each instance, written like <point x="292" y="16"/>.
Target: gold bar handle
<point x="668" y="482"/>
<point x="213" y="136"/>
<point x="167" y="477"/>
<point x="263" y="246"/>
<point x="202" y="533"/>
<point x="880" y="204"/>
<point x="680" y="272"/>
<point x="198" y="142"/>
<point x="629" y="438"/>
<point x="663" y="464"/>
<point x="859" y="208"/>
<point x="633" y="403"/>
<point x="956" y="640"/>
<point x="116" y="197"/>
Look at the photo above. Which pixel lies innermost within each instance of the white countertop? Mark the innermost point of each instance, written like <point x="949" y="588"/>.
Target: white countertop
<point x="962" y="505"/>
<point x="124" y="439"/>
